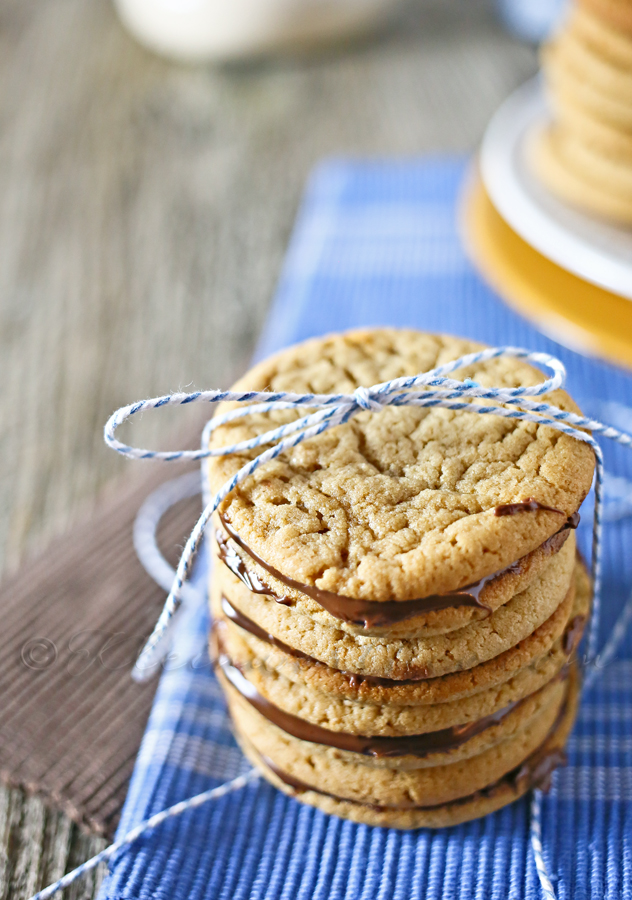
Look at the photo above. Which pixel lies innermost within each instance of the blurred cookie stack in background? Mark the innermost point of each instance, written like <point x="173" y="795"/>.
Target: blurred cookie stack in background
<point x="547" y="212"/>
<point x="585" y="156"/>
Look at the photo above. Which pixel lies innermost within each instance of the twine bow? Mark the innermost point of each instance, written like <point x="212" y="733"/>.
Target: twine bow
<point x="437" y="390"/>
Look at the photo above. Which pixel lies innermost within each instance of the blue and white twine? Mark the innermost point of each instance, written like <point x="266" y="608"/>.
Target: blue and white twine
<point x="335" y="409"/>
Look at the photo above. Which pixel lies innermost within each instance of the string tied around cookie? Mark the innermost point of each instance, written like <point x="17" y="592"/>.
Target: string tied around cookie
<point x="434" y="388"/>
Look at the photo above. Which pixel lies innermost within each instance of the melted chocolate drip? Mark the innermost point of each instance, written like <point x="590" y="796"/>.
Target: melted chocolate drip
<point x="236" y="565"/>
<point x="354" y="679"/>
<point x="528" y="775"/>
<point x="528" y="505"/>
<point x="368" y="613"/>
<point x="537" y="770"/>
<point x="573" y="521"/>
<point x="573" y="634"/>
<point x="419" y="745"/>
<point x="238" y="618"/>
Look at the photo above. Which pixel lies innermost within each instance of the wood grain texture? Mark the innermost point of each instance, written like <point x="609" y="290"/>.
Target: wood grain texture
<point x="71" y="717"/>
<point x="144" y="213"/>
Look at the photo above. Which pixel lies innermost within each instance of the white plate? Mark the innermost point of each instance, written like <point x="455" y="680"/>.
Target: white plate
<point x="589" y="248"/>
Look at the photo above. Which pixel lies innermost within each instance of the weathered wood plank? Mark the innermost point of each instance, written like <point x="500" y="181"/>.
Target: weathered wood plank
<point x="38" y="844"/>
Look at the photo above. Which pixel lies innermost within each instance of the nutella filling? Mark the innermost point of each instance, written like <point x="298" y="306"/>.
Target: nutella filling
<point x="534" y="772"/>
<point x="528" y="505"/>
<point x="238" y="618"/>
<point x="573" y="634"/>
<point x="419" y="745"/>
<point x="371" y="613"/>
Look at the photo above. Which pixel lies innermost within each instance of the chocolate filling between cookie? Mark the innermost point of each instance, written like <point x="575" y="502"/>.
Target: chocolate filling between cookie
<point x="419" y="745"/>
<point x="370" y="613"/>
<point x="534" y="772"/>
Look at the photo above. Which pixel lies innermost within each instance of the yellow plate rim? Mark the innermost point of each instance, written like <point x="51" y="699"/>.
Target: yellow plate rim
<point x="574" y="312"/>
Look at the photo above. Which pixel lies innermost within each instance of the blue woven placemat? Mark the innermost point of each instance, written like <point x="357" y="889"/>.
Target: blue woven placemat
<point x="377" y="244"/>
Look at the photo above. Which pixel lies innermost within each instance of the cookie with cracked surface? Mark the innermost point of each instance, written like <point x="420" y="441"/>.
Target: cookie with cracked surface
<point x="398" y="504"/>
<point x="533" y="771"/>
<point x="422" y="657"/>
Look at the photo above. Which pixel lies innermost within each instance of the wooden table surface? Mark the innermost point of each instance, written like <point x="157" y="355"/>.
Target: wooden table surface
<point x="144" y="212"/>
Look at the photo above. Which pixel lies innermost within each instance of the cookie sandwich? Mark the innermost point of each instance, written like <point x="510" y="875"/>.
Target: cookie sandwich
<point x="397" y="602"/>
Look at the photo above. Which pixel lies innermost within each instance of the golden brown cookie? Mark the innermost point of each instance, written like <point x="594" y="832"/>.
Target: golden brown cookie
<point x="292" y="742"/>
<point x="575" y="119"/>
<point x="562" y="165"/>
<point x="595" y="62"/>
<point x="570" y="86"/>
<point x="606" y="171"/>
<point x="610" y="43"/>
<point x="399" y="504"/>
<point x="588" y="68"/>
<point x="396" y="601"/>
<point x="421" y="780"/>
<point x="585" y="156"/>
<point x="616" y="13"/>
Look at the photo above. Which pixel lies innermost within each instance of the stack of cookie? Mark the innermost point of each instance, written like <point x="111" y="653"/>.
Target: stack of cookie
<point x="397" y="601"/>
<point x="585" y="156"/>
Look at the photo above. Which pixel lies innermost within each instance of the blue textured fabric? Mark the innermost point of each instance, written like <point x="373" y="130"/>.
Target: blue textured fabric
<point x="377" y="243"/>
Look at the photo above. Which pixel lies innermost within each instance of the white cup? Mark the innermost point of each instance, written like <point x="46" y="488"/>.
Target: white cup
<point x="197" y="30"/>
